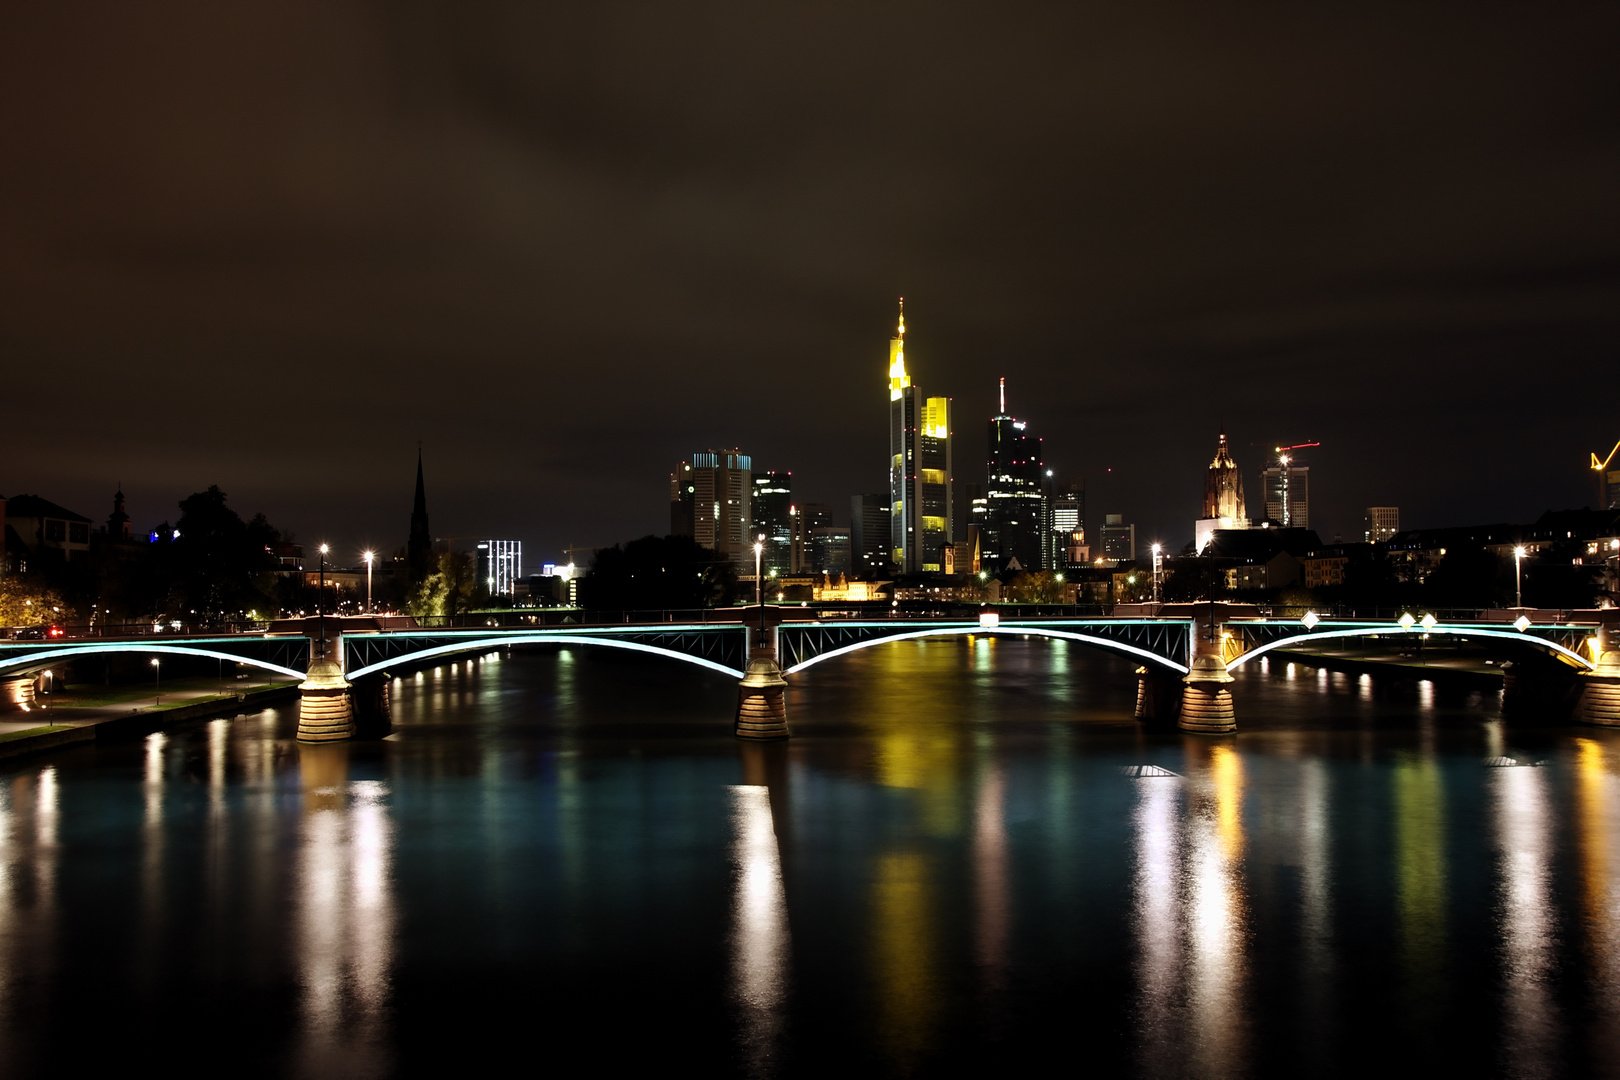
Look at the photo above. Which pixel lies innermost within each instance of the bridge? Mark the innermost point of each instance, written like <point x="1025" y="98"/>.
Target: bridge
<point x="1185" y="653"/>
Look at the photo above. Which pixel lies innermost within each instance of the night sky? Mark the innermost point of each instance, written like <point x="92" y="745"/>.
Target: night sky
<point x="273" y="248"/>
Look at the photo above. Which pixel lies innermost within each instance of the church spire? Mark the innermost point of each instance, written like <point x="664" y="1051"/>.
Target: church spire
<point x="419" y="551"/>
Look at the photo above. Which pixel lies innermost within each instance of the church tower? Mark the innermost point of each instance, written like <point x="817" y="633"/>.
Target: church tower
<point x="419" y="552"/>
<point x="1223" y="487"/>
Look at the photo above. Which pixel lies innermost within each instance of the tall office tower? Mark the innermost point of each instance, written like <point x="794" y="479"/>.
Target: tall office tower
<point x="1381" y="523"/>
<point x="1288" y="493"/>
<point x="1118" y="539"/>
<point x="1068" y="526"/>
<point x="773" y="516"/>
<point x="682" y="491"/>
<point x="1223" y="487"/>
<point x="869" y="534"/>
<point x="419" y="549"/>
<point x="1015" y="490"/>
<point x="807" y="518"/>
<point x="722" y="504"/>
<point x="500" y="565"/>
<point x="829" y="549"/>
<point x="919" y="466"/>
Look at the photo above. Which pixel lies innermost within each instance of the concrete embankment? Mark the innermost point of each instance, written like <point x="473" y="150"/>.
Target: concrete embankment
<point x="69" y="729"/>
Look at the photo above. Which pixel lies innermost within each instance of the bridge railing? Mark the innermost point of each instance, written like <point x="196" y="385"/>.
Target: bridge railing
<point x="147" y="628"/>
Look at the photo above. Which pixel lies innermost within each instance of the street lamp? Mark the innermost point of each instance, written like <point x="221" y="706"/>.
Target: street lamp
<point x="320" y="602"/>
<point x="1158" y="561"/>
<point x="157" y="682"/>
<point x="759" y="584"/>
<point x="1518" y="576"/>
<point x="368" y="557"/>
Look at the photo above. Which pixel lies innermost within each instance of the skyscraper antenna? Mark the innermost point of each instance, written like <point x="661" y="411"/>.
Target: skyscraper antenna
<point x="1003" y="395"/>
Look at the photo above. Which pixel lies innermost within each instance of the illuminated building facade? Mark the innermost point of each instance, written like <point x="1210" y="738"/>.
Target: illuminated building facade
<point x="869" y="534"/>
<point x="1224" y="505"/>
<point x="1068" y="527"/>
<point x="807" y="518"/>
<point x="773" y="517"/>
<point x="1223" y="487"/>
<point x="919" y="466"/>
<point x="500" y="565"/>
<point x="1381" y="523"/>
<point x="721" y="494"/>
<point x="829" y="549"/>
<point x="1118" y="539"/>
<point x="1288" y="493"/>
<point x="1014" y="525"/>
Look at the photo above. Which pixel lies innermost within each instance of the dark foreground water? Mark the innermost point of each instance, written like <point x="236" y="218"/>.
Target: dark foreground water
<point x="969" y="857"/>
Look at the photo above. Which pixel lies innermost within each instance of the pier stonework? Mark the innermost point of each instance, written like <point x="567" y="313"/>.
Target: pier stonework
<point x="1206" y="701"/>
<point x="1600" y="691"/>
<point x="762" y="698"/>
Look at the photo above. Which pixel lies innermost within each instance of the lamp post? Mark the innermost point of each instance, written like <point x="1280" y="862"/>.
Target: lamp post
<point x="1518" y="576"/>
<point x="157" y="682"/>
<point x="320" y="602"/>
<point x="368" y="557"/>
<point x="759" y="584"/>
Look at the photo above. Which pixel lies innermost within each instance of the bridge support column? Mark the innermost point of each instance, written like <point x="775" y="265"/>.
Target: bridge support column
<point x="1206" y="703"/>
<point x="1600" y="692"/>
<point x="1158" y="696"/>
<point x="325" y="712"/>
<point x="373" y="716"/>
<point x="762" y="698"/>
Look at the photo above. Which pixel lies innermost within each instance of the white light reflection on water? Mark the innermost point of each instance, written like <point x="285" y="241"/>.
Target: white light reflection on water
<point x="345" y="918"/>
<point x="760" y="962"/>
<point x="1532" y="1024"/>
<point x="990" y="883"/>
<point x="1158" y="933"/>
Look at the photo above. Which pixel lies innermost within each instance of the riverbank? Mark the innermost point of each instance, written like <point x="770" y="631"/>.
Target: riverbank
<point x="55" y="725"/>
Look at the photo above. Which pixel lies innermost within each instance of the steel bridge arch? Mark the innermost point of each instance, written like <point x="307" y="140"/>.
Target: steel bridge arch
<point x="1383" y="631"/>
<point x="25" y="661"/>
<point x="485" y="644"/>
<point x="1106" y="644"/>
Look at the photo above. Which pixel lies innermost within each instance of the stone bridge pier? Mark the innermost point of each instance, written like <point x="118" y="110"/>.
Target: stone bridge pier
<point x="325" y="709"/>
<point x="1206" y="700"/>
<point x="762" y="694"/>
<point x="1600" y="690"/>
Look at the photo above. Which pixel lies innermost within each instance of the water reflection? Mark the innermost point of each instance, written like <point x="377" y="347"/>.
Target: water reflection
<point x="1155" y="905"/>
<point x="760" y="954"/>
<point x="1420" y="884"/>
<point x="902" y="926"/>
<point x="344" y="917"/>
<point x="1527" y="920"/>
<point x="1217" y="913"/>
<point x="1595" y="831"/>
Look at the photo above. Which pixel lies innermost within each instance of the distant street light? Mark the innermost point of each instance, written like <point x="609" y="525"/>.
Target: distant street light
<point x="368" y="557"/>
<point x="1518" y="576"/>
<point x="157" y="682"/>
<point x="320" y="602"/>
<point x="759" y="584"/>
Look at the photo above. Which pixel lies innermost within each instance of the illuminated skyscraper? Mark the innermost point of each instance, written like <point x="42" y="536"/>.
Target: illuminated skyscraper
<point x="773" y="516"/>
<point x="1068" y="524"/>
<point x="1015" y="487"/>
<point x="869" y="533"/>
<point x="500" y="565"/>
<point x="721" y="497"/>
<point x="1288" y="493"/>
<point x="919" y="466"/>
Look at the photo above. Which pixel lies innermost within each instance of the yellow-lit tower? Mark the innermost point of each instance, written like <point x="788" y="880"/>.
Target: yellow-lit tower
<point x="919" y="466"/>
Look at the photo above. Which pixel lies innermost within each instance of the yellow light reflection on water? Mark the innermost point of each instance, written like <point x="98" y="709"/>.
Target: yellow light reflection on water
<point x="902" y="956"/>
<point x="1420" y="870"/>
<point x="760" y="946"/>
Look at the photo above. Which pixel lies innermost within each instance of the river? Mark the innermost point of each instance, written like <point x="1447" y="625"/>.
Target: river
<point x="968" y="857"/>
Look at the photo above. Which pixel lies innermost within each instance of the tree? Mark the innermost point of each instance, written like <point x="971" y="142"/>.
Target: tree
<point x="448" y="589"/>
<point x="659" y="572"/>
<point x="1037" y="587"/>
<point x="25" y="601"/>
<point x="218" y="566"/>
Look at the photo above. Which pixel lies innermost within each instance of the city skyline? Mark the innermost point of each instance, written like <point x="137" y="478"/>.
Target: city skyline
<point x="279" y="273"/>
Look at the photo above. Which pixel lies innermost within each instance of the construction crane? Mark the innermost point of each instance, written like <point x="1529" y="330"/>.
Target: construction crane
<point x="1602" y="470"/>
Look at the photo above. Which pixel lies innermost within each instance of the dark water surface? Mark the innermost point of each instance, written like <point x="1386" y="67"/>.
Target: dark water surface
<point x="968" y="857"/>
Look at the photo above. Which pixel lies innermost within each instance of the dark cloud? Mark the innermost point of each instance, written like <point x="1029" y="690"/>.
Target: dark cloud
<point x="273" y="247"/>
